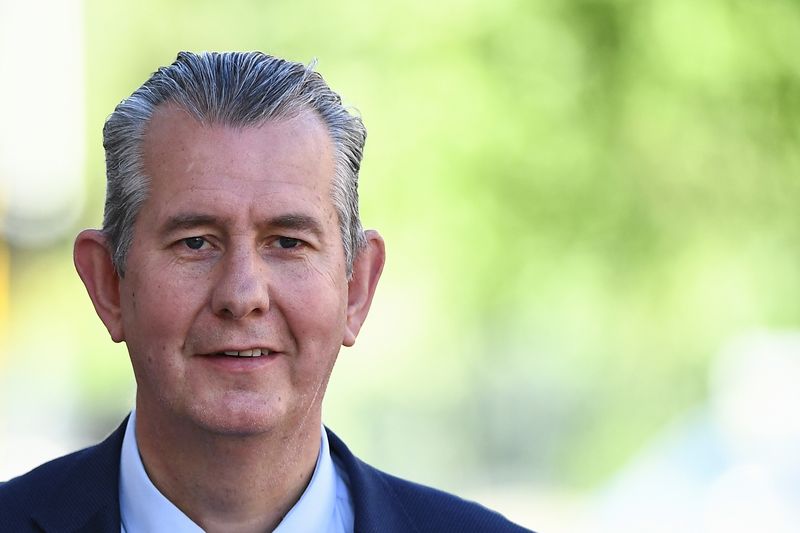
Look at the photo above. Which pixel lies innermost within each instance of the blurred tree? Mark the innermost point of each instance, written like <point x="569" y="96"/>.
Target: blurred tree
<point x="582" y="199"/>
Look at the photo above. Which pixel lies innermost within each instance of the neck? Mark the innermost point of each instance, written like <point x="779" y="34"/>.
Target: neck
<point x="223" y="482"/>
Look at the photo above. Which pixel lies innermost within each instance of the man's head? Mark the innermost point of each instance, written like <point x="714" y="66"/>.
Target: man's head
<point x="232" y="184"/>
<point x="238" y="89"/>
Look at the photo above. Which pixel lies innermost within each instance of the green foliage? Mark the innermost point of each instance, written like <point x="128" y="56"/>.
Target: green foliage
<point x="582" y="200"/>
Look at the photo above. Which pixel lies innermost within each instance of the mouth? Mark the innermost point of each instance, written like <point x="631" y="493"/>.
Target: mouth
<point x="253" y="352"/>
<point x="240" y="361"/>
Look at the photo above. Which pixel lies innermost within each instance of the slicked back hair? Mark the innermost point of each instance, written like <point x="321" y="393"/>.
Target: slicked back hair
<point x="236" y="89"/>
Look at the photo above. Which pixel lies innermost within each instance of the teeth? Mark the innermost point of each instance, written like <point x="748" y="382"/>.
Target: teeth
<point x="255" y="352"/>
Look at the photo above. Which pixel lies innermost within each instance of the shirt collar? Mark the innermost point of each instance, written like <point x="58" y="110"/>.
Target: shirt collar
<point x="144" y="508"/>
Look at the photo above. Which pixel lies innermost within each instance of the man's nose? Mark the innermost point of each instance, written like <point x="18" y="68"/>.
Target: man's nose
<point x="242" y="286"/>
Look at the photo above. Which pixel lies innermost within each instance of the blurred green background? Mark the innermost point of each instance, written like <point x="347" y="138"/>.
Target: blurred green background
<point x="582" y="200"/>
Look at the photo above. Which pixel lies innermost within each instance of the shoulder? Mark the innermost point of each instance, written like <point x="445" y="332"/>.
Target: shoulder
<point x="41" y="477"/>
<point x="444" y="511"/>
<point x="22" y="496"/>
<point x="80" y="480"/>
<point x="384" y="502"/>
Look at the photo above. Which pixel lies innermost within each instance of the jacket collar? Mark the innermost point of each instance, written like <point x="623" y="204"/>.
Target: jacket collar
<point x="376" y="506"/>
<point x="85" y="497"/>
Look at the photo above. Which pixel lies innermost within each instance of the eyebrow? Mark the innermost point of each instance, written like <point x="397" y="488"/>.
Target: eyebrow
<point x="188" y="221"/>
<point x="296" y="221"/>
<point x="293" y="221"/>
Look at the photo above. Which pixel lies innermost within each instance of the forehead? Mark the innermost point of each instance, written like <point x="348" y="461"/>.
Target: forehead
<point x="173" y="134"/>
<point x="267" y="166"/>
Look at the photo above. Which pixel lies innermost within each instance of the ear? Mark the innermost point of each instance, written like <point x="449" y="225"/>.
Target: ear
<point x="93" y="263"/>
<point x="367" y="268"/>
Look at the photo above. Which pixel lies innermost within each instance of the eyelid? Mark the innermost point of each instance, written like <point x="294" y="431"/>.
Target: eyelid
<point x="275" y="242"/>
<point x="203" y="240"/>
<point x="182" y="242"/>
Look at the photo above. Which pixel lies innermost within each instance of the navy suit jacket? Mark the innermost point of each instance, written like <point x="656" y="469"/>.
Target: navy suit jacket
<point x="80" y="493"/>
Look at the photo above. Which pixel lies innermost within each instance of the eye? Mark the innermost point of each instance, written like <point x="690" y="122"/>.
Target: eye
<point x="194" y="243"/>
<point x="287" y="242"/>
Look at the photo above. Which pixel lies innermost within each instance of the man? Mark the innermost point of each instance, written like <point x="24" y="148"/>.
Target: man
<point x="233" y="265"/>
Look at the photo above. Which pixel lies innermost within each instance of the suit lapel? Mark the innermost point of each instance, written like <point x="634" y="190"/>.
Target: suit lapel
<point x="376" y="507"/>
<point x="85" y="496"/>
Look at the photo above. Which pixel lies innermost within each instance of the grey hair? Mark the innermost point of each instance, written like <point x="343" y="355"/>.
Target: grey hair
<point x="233" y="89"/>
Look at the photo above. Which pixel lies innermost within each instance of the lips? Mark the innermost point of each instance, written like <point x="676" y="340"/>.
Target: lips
<point x="239" y="361"/>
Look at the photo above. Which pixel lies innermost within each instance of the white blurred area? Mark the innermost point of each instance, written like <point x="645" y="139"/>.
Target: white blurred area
<point x="731" y="466"/>
<point x="42" y="131"/>
<point x="42" y="152"/>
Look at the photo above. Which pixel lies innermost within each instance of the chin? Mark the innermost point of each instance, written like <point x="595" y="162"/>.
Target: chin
<point x="239" y="417"/>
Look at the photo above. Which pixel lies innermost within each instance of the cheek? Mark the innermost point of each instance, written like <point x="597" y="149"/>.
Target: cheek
<point x="316" y="303"/>
<point x="315" y="313"/>
<point x="157" y="308"/>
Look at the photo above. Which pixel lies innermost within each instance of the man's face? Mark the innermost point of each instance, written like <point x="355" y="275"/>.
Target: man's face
<point x="237" y="249"/>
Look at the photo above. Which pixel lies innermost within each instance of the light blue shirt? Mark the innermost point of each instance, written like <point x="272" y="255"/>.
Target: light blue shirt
<point x="325" y="505"/>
